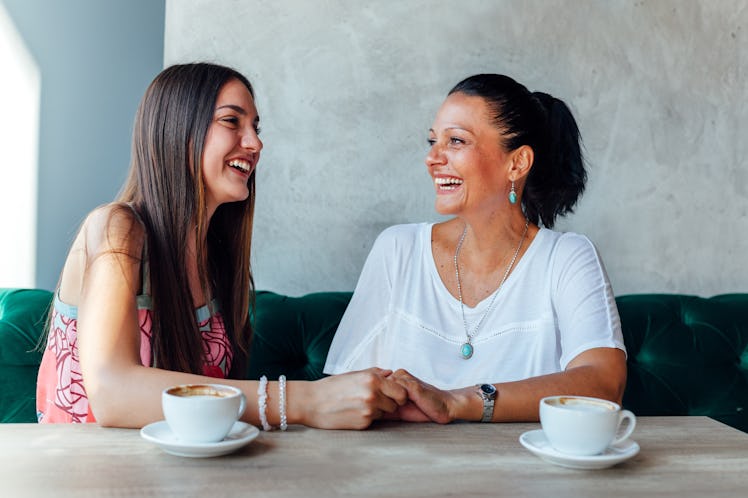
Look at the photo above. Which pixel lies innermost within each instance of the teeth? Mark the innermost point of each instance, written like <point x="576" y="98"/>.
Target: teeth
<point x="240" y="165"/>
<point x="447" y="181"/>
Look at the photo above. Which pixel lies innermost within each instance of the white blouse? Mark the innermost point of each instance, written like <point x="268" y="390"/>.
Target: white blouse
<point x="556" y="304"/>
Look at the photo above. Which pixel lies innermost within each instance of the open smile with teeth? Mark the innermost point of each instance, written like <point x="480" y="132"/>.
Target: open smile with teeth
<point x="243" y="166"/>
<point x="450" y="183"/>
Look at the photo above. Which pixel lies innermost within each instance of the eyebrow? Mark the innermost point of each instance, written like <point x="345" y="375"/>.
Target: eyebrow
<point x="431" y="130"/>
<point x="236" y="108"/>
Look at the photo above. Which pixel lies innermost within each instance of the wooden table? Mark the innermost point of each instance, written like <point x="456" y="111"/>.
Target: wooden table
<point x="680" y="456"/>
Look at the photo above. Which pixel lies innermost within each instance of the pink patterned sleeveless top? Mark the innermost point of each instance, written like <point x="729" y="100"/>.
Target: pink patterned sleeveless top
<point x="60" y="395"/>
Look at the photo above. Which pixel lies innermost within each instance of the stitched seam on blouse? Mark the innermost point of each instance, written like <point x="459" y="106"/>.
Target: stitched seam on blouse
<point x="535" y="326"/>
<point x="477" y="339"/>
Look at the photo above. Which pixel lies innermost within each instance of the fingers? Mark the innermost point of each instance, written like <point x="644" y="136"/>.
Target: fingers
<point x="430" y="401"/>
<point x="403" y="377"/>
<point x="411" y="413"/>
<point x="382" y="393"/>
<point x="394" y="391"/>
<point x="383" y="404"/>
<point x="379" y="371"/>
<point x="412" y="385"/>
<point x="380" y="381"/>
<point x="355" y="399"/>
<point x="371" y="393"/>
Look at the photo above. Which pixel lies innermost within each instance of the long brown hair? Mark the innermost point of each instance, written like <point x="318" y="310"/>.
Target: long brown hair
<point x="165" y="187"/>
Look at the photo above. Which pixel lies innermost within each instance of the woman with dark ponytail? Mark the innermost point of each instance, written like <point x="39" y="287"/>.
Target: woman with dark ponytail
<point x="492" y="297"/>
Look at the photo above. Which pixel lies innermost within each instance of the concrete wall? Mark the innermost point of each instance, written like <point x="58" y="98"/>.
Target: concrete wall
<point x="347" y="91"/>
<point x="96" y="58"/>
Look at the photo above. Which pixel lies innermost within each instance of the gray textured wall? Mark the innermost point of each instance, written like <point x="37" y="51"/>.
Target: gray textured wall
<point x="347" y="91"/>
<point x="96" y="59"/>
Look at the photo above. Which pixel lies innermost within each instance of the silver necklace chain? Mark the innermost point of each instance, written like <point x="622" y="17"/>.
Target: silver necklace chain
<point x="467" y="348"/>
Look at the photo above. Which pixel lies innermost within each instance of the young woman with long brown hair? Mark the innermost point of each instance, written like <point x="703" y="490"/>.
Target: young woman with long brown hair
<point x="157" y="286"/>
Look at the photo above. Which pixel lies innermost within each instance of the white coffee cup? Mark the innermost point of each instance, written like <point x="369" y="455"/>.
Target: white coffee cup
<point x="578" y="425"/>
<point x="202" y="413"/>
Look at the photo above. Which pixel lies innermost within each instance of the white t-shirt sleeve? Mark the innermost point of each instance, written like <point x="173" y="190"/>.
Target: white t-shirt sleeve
<point x="366" y="314"/>
<point x="583" y="299"/>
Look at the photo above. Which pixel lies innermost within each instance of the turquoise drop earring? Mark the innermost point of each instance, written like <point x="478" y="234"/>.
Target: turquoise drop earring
<point x="513" y="195"/>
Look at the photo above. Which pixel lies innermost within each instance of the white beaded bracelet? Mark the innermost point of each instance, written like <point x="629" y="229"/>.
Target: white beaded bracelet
<point x="282" y="402"/>
<point x="262" y="403"/>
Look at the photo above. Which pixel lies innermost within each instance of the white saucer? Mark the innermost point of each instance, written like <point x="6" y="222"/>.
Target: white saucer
<point x="537" y="443"/>
<point x="159" y="433"/>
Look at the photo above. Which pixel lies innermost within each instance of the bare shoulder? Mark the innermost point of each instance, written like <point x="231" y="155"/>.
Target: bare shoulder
<point x="113" y="228"/>
<point x="111" y="233"/>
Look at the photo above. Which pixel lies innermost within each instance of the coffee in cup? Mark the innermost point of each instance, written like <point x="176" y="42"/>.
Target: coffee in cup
<point x="202" y="413"/>
<point x="578" y="425"/>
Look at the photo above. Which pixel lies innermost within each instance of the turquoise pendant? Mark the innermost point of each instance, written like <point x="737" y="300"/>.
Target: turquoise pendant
<point x="466" y="351"/>
<point x="513" y="197"/>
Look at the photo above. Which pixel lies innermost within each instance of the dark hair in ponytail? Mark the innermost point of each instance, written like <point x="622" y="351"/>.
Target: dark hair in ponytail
<point x="545" y="124"/>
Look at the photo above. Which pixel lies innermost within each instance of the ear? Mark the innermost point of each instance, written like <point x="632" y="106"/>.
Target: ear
<point x="521" y="162"/>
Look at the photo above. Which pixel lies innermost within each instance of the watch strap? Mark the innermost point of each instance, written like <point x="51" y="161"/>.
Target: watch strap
<point x="487" y="409"/>
<point x="489" y="400"/>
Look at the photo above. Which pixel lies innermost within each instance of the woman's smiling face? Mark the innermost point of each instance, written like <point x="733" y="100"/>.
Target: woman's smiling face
<point x="466" y="160"/>
<point x="232" y="146"/>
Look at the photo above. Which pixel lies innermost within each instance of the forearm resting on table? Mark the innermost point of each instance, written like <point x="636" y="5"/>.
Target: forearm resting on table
<point x="602" y="377"/>
<point x="131" y="397"/>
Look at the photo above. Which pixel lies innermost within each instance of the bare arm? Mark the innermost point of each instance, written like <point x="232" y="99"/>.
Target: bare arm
<point x="124" y="393"/>
<point x="120" y="390"/>
<point x="598" y="372"/>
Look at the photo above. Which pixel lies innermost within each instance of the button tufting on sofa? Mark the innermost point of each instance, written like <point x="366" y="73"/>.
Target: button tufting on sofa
<point x="686" y="355"/>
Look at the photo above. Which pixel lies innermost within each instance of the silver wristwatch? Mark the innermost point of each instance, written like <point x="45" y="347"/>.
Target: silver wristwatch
<point x="487" y="392"/>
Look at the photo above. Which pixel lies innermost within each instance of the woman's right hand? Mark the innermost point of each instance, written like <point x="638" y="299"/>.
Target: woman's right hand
<point x="347" y="401"/>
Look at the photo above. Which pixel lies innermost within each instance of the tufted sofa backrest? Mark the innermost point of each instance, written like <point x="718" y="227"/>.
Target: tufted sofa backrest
<point x="23" y="314"/>
<point x="292" y="334"/>
<point x="686" y="355"/>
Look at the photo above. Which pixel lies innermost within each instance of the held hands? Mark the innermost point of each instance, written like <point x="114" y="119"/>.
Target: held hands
<point x="426" y="403"/>
<point x="355" y="399"/>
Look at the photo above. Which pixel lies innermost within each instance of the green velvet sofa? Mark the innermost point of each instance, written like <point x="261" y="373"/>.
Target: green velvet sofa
<point x="687" y="355"/>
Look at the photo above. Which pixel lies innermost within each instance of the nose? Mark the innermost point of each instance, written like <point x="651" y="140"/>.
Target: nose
<point x="435" y="156"/>
<point x="251" y="141"/>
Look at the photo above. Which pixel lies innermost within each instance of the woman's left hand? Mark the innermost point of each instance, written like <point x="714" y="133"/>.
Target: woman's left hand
<point x="426" y="402"/>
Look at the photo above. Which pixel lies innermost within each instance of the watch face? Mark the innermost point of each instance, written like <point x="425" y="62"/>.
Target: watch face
<point x="488" y="389"/>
